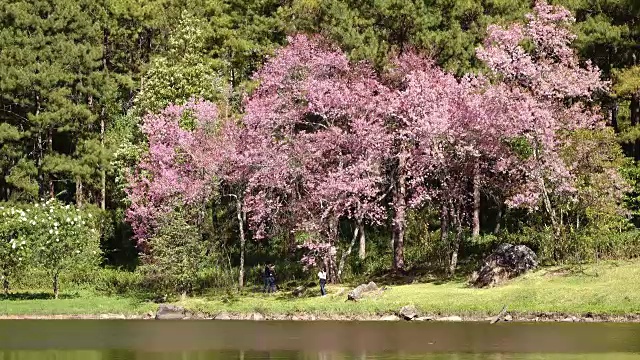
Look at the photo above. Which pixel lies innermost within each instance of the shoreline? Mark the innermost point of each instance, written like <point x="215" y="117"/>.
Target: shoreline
<point x="225" y="316"/>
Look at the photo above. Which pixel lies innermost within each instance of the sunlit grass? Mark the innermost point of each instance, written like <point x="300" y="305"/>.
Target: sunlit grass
<point x="70" y="303"/>
<point x="611" y="288"/>
<point x="607" y="288"/>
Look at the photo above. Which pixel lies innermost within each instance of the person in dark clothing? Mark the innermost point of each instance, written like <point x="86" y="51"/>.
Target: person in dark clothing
<point x="266" y="275"/>
<point x="270" y="278"/>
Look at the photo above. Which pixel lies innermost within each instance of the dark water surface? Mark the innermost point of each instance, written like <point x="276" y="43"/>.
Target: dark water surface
<point x="208" y="340"/>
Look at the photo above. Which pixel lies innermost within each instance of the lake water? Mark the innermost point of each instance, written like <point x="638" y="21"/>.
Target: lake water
<point x="213" y="340"/>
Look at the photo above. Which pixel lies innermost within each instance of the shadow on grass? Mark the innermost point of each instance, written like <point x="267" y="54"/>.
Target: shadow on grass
<point x="423" y="275"/>
<point x="35" y="296"/>
<point x="571" y="270"/>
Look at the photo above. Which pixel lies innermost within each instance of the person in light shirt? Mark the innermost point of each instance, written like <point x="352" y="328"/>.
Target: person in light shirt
<point x="322" y="275"/>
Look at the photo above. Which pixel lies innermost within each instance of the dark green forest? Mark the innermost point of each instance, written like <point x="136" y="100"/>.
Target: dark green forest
<point x="76" y="77"/>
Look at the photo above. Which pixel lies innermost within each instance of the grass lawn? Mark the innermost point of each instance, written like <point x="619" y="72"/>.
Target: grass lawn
<point x="82" y="302"/>
<point x="609" y="288"/>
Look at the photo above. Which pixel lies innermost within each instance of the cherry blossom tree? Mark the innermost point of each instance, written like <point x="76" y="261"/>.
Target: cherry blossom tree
<point x="323" y="140"/>
<point x="316" y="122"/>
<point x="172" y="173"/>
<point x="555" y="92"/>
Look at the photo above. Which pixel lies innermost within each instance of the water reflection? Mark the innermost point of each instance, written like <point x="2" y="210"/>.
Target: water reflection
<point x="213" y="340"/>
<point x="287" y="355"/>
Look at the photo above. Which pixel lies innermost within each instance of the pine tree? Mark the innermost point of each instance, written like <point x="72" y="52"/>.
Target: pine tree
<point x="50" y="57"/>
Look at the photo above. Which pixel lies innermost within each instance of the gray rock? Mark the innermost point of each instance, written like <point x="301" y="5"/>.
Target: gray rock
<point x="112" y="317"/>
<point x="222" y="316"/>
<point x="389" y="318"/>
<point x="408" y="312"/>
<point x="505" y="262"/>
<point x="424" y="318"/>
<point x="450" y="318"/>
<point x="170" y="312"/>
<point x="508" y="317"/>
<point x="361" y="290"/>
<point x="299" y="291"/>
<point x="256" y="317"/>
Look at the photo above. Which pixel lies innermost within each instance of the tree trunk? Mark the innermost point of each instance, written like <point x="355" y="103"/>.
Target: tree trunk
<point x="399" y="217"/>
<point x="332" y="268"/>
<point x="634" y="108"/>
<point x="52" y="193"/>
<point x="40" y="151"/>
<point x="79" y="197"/>
<point x="5" y="284"/>
<point x="476" y="205"/>
<point x="444" y="225"/>
<point x="105" y="68"/>
<point x="241" y="217"/>
<point x="362" y="251"/>
<point x="290" y="244"/>
<point x="453" y="263"/>
<point x="614" y="117"/>
<point x="496" y="229"/>
<point x="547" y="200"/>
<point x="55" y="285"/>
<point x="103" y="171"/>
<point x="346" y="253"/>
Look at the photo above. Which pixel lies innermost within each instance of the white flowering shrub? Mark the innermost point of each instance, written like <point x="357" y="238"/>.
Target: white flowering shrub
<point x="50" y="235"/>
<point x="14" y="249"/>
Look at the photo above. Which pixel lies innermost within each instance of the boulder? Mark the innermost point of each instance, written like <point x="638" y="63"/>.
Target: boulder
<point x="299" y="291"/>
<point x="222" y="316"/>
<point x="170" y="312"/>
<point x="112" y="317"/>
<point x="570" y="319"/>
<point x="424" y="318"/>
<point x="408" y="312"/>
<point x="504" y="263"/>
<point x="256" y="317"/>
<point x="361" y="290"/>
<point x="389" y="318"/>
<point x="451" y="318"/>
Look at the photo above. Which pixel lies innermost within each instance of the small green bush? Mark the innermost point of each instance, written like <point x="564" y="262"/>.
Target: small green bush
<point x="177" y="255"/>
<point x="118" y="282"/>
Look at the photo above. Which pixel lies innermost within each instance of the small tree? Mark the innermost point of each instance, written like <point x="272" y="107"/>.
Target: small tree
<point x="176" y="254"/>
<point x="15" y="224"/>
<point x="52" y="235"/>
<point x="65" y="239"/>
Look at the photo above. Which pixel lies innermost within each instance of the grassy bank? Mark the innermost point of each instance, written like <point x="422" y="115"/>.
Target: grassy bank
<point x="82" y="302"/>
<point x="607" y="288"/>
<point x="611" y="288"/>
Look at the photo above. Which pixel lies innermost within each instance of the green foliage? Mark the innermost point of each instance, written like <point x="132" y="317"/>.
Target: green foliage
<point x="177" y="256"/>
<point x="71" y="68"/>
<point x="608" y="31"/>
<point x="118" y="282"/>
<point x="185" y="72"/>
<point x="627" y="82"/>
<point x="55" y="237"/>
<point x="14" y="250"/>
<point x="50" y="75"/>
<point x="371" y="30"/>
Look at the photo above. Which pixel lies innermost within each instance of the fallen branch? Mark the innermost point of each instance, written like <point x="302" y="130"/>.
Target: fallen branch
<point x="500" y="315"/>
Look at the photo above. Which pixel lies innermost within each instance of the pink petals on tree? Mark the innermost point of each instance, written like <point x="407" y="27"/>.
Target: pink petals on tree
<point x="323" y="139"/>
